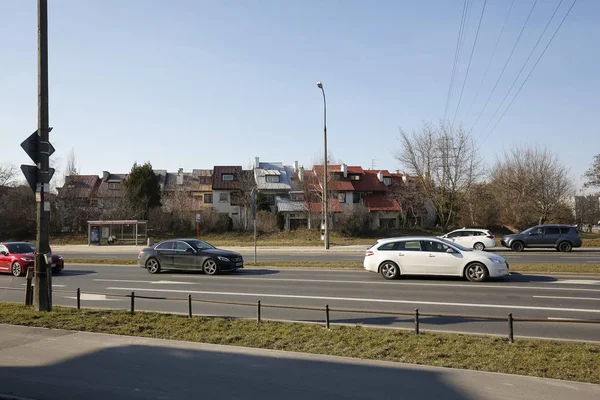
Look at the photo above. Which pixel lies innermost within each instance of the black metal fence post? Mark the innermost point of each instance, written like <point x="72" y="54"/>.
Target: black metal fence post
<point x="190" y="305"/>
<point x="416" y="321"/>
<point x="327" y="316"/>
<point x="258" y="316"/>
<point x="511" y="337"/>
<point x="132" y="302"/>
<point x="29" y="287"/>
<point x="78" y="299"/>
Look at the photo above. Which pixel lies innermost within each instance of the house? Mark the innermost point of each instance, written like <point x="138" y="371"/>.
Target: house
<point x="111" y="192"/>
<point x="273" y="180"/>
<point x="77" y="202"/>
<point x="226" y="184"/>
<point x="186" y="191"/>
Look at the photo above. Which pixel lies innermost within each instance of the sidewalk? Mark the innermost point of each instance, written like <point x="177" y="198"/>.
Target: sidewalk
<point x="55" y="364"/>
<point x="83" y="248"/>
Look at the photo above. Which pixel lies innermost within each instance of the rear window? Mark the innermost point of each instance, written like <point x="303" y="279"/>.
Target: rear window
<point x="387" y="246"/>
<point x="565" y="230"/>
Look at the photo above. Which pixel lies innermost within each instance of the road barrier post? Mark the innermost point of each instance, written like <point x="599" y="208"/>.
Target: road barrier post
<point x="132" y="302"/>
<point x="511" y="338"/>
<point x="78" y="299"/>
<point x="190" y="305"/>
<point x="327" y="316"/>
<point x="416" y="321"/>
<point x="258" y="317"/>
<point x="29" y="288"/>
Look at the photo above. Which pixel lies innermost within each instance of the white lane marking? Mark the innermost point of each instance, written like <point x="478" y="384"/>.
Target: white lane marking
<point x="561" y="319"/>
<point x="357" y="299"/>
<point x="92" y="297"/>
<point x="151" y="282"/>
<point x="473" y="286"/>
<point x="578" y="282"/>
<point x="24" y="284"/>
<point x="567" y="298"/>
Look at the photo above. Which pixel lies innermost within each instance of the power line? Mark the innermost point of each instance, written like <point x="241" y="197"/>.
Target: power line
<point x="469" y="65"/>
<point x="505" y="65"/>
<point x="456" y="56"/>
<point x="492" y="57"/>
<point x="532" y="69"/>
<point x="523" y="67"/>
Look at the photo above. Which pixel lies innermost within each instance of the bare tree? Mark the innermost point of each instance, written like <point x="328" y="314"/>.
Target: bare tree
<point x="71" y="166"/>
<point x="446" y="162"/>
<point x="8" y="174"/>
<point x="243" y="195"/>
<point x="411" y="202"/>
<point x="531" y="184"/>
<point x="592" y="175"/>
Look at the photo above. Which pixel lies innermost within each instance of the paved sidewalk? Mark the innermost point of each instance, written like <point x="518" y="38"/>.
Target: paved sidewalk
<point x="79" y="248"/>
<point x="55" y="364"/>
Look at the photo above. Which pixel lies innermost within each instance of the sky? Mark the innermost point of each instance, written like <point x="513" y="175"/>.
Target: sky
<point x="193" y="84"/>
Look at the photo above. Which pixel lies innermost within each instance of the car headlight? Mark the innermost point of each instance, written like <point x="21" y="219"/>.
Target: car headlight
<point x="27" y="259"/>
<point x="496" y="260"/>
<point x="223" y="259"/>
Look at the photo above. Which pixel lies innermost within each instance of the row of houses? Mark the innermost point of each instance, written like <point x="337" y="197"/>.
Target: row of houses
<point x="290" y="190"/>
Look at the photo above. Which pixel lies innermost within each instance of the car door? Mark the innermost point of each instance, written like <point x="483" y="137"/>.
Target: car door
<point x="551" y="235"/>
<point x="535" y="237"/>
<point x="439" y="261"/>
<point x="164" y="253"/>
<point x="466" y="239"/>
<point x="184" y="256"/>
<point x="409" y="257"/>
<point x="4" y="260"/>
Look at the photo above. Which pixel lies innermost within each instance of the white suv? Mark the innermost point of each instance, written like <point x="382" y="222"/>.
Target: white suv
<point x="431" y="256"/>
<point x="478" y="239"/>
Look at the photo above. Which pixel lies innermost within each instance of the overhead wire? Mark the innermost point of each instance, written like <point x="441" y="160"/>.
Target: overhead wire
<point x="456" y="56"/>
<point x="523" y="67"/>
<point x="532" y="69"/>
<point x="505" y="65"/>
<point x="469" y="64"/>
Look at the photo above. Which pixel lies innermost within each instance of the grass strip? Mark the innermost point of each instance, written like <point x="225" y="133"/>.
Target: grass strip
<point x="548" y="359"/>
<point x="544" y="268"/>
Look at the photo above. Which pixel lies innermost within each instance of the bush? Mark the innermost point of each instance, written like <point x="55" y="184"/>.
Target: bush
<point x="266" y="221"/>
<point x="354" y="221"/>
<point x="224" y="223"/>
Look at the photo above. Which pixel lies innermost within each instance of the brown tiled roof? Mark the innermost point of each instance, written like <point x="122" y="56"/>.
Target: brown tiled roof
<point x="80" y="186"/>
<point x="380" y="202"/>
<point x="368" y="181"/>
<point x="105" y="192"/>
<point x="334" y="206"/>
<point x="219" y="183"/>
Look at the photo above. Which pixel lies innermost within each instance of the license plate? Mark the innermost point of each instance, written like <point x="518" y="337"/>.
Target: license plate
<point x="239" y="264"/>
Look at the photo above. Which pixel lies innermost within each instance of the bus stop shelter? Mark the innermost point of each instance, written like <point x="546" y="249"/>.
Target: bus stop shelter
<point x="132" y="232"/>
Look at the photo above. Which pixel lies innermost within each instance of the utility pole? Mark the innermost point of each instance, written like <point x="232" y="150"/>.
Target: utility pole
<point x="325" y="172"/>
<point x="43" y="276"/>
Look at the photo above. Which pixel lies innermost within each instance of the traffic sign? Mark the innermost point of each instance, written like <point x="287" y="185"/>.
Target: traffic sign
<point x="198" y="217"/>
<point x="30" y="145"/>
<point x="30" y="172"/>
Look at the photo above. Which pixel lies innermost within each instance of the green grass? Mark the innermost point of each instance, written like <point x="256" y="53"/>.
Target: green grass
<point x="560" y="360"/>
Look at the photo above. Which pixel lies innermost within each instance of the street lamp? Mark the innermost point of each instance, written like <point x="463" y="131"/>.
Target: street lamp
<point x="325" y="170"/>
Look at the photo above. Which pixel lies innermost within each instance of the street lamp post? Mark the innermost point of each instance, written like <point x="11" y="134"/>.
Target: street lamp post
<point x="325" y="171"/>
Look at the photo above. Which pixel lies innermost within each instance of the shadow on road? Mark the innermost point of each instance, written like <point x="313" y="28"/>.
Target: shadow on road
<point x="518" y="277"/>
<point x="244" y="272"/>
<point x="152" y="372"/>
<point x="73" y="272"/>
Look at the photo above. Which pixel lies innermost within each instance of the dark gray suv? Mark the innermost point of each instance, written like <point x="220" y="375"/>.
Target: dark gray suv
<point x="561" y="237"/>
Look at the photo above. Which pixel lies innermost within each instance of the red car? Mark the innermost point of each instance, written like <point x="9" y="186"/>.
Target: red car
<point x="16" y="257"/>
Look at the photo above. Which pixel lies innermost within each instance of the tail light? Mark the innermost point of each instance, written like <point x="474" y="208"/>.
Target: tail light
<point x="490" y="236"/>
<point x="369" y="253"/>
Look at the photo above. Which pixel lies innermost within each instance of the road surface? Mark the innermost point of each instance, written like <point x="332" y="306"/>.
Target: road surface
<point x="525" y="296"/>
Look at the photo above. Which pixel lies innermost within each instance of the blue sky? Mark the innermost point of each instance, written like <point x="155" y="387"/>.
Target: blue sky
<point x="194" y="84"/>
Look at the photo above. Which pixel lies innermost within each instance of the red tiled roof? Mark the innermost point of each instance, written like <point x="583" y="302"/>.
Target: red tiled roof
<point x="380" y="202"/>
<point x="334" y="206"/>
<point x="369" y="183"/>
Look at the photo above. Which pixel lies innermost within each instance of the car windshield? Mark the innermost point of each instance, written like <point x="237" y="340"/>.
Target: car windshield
<point x="20" y="248"/>
<point x="456" y="246"/>
<point x="200" y="245"/>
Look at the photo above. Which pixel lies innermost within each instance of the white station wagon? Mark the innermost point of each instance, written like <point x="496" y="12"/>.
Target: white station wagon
<point x="393" y="257"/>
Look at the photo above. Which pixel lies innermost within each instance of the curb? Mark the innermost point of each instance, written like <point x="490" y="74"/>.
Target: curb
<point x="11" y="397"/>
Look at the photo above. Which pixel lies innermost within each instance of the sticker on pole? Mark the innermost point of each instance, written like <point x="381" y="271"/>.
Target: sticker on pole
<point x="198" y="218"/>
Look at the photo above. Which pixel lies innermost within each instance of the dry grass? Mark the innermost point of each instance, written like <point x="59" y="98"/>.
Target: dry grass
<point x="569" y="361"/>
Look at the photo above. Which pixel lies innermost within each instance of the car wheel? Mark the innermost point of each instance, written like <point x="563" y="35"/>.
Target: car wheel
<point x="389" y="270"/>
<point x="210" y="267"/>
<point x="476" y="272"/>
<point x="479" y="246"/>
<point x="517" y="246"/>
<point x="17" y="270"/>
<point x="565" y="247"/>
<point x="153" y="266"/>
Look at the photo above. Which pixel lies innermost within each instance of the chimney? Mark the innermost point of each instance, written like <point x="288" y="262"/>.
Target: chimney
<point x="105" y="175"/>
<point x="344" y="169"/>
<point x="296" y="166"/>
<point x="301" y="174"/>
<point x="180" y="176"/>
<point x="380" y="176"/>
<point x="256" y="162"/>
<point x="404" y="178"/>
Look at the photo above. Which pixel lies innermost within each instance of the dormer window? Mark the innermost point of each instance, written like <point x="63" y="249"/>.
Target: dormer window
<point x="387" y="181"/>
<point x="272" y="178"/>
<point x="227" y="177"/>
<point x="114" y="185"/>
<point x="354" y="177"/>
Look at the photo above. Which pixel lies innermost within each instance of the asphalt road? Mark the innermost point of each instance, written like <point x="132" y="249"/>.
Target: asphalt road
<point x="546" y="256"/>
<point x="83" y="365"/>
<point x="525" y="296"/>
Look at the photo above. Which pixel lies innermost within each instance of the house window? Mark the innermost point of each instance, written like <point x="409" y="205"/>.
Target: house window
<point x="354" y="177"/>
<point x="272" y="178"/>
<point x="114" y="186"/>
<point x="223" y="197"/>
<point x="227" y="177"/>
<point x="355" y="198"/>
<point x="387" y="181"/>
<point x="271" y="199"/>
<point x="297" y="196"/>
<point x="342" y="197"/>
<point x="204" y="180"/>
<point x="336" y="177"/>
<point x="208" y="198"/>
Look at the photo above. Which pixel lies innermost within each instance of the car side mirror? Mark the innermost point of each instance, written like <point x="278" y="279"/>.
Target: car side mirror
<point x="451" y="251"/>
<point x="190" y="250"/>
<point x="3" y="253"/>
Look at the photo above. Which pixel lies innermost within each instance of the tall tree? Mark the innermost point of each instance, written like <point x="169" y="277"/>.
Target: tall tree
<point x="71" y="166"/>
<point x="142" y="190"/>
<point x="446" y="162"/>
<point x="531" y="184"/>
<point x="592" y="175"/>
<point x="7" y="174"/>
